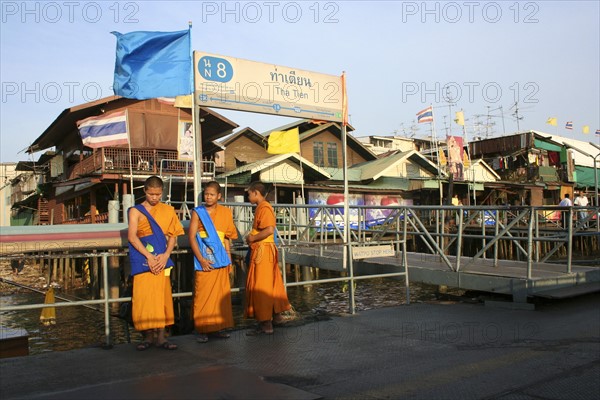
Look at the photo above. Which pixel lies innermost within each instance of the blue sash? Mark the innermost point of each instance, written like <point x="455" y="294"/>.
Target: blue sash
<point x="155" y="244"/>
<point x="211" y="247"/>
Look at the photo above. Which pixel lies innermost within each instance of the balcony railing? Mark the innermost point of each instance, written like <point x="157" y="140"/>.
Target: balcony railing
<point x="101" y="218"/>
<point x="139" y="162"/>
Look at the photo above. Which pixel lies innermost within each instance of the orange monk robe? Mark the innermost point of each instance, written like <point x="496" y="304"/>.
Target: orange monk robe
<point x="265" y="292"/>
<point x="152" y="298"/>
<point x="212" y="290"/>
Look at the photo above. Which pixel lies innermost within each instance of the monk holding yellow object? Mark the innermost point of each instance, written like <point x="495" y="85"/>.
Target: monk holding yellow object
<point x="152" y="233"/>
<point x="266" y="297"/>
<point x="210" y="233"/>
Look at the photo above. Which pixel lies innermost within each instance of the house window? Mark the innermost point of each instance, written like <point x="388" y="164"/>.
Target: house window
<point x="332" y="156"/>
<point x="318" y="154"/>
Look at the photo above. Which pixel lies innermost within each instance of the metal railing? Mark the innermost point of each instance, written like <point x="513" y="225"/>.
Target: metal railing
<point x="244" y="219"/>
<point x="440" y="229"/>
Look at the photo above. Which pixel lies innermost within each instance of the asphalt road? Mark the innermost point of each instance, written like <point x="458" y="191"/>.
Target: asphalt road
<point x="447" y="350"/>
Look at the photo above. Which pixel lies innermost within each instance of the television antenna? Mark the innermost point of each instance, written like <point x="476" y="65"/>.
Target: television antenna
<point x="483" y="129"/>
<point x="498" y="116"/>
<point x="516" y="115"/>
<point x="450" y="100"/>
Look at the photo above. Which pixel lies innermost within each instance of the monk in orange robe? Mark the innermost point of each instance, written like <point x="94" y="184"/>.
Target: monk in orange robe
<point x="266" y="297"/>
<point x="151" y="265"/>
<point x="212" y="310"/>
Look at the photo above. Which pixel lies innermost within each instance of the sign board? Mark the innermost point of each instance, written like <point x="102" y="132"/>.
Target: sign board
<point x="237" y="84"/>
<point x="372" y="251"/>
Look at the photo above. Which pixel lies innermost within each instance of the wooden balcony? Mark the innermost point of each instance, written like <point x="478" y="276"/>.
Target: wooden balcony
<point x="101" y="218"/>
<point x="140" y="162"/>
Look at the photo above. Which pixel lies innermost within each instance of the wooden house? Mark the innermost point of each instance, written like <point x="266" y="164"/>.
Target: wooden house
<point x="81" y="180"/>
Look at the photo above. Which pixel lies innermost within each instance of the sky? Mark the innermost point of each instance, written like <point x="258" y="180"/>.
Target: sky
<point x="489" y="59"/>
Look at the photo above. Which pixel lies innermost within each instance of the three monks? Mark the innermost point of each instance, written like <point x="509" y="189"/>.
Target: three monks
<point x="152" y="233"/>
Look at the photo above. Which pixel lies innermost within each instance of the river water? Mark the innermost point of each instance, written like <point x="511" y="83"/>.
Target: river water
<point x="80" y="327"/>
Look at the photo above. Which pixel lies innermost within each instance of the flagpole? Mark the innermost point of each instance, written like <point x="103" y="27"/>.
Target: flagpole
<point x="197" y="149"/>
<point x="347" y="253"/>
<point x="472" y="170"/>
<point x="464" y="127"/>
<point x="437" y="154"/>
<point x="197" y="129"/>
<point x="439" y="228"/>
<point x="130" y="159"/>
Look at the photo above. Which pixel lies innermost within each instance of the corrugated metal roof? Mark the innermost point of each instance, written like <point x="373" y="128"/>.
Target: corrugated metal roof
<point x="578" y="146"/>
<point x="248" y="132"/>
<point x="390" y="183"/>
<point x="545" y="145"/>
<point x="337" y="174"/>
<point x="258" y="166"/>
<point x="527" y="140"/>
<point x="377" y="168"/>
<point x="302" y="125"/>
<point x="502" y="145"/>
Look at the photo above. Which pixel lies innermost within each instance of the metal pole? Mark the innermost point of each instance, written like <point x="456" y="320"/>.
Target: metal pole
<point x="197" y="152"/>
<point x="536" y="215"/>
<point x="596" y="195"/>
<point x="459" y="239"/>
<point x="569" y="241"/>
<point x="530" y="243"/>
<point x="437" y="156"/>
<point x="596" y="180"/>
<point x="106" y="300"/>
<point x="347" y="259"/>
<point x="196" y="121"/>
<point x="405" y="256"/>
<point x="130" y="158"/>
<point x="347" y="251"/>
<point x="596" y="185"/>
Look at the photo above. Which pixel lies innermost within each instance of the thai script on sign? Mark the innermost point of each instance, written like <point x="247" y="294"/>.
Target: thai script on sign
<point x="290" y="78"/>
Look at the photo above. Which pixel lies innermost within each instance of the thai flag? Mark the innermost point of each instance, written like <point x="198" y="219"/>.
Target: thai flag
<point x="425" y="115"/>
<point x="105" y="130"/>
<point x="597" y="131"/>
<point x="569" y="125"/>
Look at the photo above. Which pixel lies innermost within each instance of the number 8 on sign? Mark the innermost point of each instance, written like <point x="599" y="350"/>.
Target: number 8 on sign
<point x="215" y="69"/>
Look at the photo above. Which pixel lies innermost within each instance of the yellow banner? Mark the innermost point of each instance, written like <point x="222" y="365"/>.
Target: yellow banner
<point x="282" y="142"/>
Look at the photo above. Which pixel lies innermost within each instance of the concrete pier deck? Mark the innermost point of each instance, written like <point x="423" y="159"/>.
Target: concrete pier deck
<point x="446" y="350"/>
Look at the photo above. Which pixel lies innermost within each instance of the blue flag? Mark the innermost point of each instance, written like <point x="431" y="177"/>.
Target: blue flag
<point x="153" y="64"/>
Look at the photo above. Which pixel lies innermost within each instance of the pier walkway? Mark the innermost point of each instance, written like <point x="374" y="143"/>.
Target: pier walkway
<point x="313" y="235"/>
<point x="515" y="278"/>
<point x="448" y="350"/>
